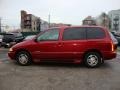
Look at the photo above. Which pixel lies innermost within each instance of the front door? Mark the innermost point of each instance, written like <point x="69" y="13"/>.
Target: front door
<point x="47" y="45"/>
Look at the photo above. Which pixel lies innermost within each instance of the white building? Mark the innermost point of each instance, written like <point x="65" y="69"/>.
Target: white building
<point x="114" y="16"/>
<point x="44" y="25"/>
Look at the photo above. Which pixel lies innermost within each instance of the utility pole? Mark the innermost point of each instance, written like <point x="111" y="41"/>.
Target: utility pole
<point x="0" y="24"/>
<point x="104" y="16"/>
<point x="49" y="20"/>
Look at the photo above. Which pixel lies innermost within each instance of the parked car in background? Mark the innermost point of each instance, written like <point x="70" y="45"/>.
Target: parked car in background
<point x="30" y="37"/>
<point x="1" y="37"/>
<point x="18" y="37"/>
<point x="88" y="44"/>
<point x="10" y="39"/>
<point x="117" y="36"/>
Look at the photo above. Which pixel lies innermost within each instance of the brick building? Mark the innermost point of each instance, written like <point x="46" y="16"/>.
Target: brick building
<point x="29" y="22"/>
<point x="89" y="21"/>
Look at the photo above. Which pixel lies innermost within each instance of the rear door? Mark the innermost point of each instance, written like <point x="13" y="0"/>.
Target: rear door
<point x="73" y="43"/>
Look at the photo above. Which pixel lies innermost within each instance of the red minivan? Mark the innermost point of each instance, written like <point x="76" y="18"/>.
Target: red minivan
<point x="88" y="44"/>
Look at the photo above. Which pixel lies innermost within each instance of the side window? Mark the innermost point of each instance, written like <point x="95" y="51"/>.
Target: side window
<point x="49" y="35"/>
<point x="95" y="33"/>
<point x="74" y="34"/>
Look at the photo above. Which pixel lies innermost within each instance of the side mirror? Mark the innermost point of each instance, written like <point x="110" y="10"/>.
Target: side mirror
<point x="35" y="39"/>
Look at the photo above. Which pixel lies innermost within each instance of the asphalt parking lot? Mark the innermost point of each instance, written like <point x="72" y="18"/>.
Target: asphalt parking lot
<point x="52" y="76"/>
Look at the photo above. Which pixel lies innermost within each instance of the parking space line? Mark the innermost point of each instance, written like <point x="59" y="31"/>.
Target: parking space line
<point x="3" y="59"/>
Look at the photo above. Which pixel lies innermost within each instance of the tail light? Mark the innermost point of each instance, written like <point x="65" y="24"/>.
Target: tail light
<point x="114" y="46"/>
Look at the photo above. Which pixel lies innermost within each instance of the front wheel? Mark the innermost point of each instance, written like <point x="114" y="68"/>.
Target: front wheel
<point x="93" y="59"/>
<point x="23" y="58"/>
<point x="0" y="44"/>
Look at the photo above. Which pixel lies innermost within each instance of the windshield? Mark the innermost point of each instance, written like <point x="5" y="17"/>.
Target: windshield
<point x="9" y="36"/>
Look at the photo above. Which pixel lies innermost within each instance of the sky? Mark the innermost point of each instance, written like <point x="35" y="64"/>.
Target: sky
<point x="61" y="11"/>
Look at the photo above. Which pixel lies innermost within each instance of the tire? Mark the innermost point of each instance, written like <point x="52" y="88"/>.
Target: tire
<point x="93" y="59"/>
<point x="0" y="44"/>
<point x="5" y="46"/>
<point x="23" y="58"/>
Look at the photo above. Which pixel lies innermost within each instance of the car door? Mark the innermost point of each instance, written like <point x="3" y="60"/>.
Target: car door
<point x="47" y="45"/>
<point x="73" y="43"/>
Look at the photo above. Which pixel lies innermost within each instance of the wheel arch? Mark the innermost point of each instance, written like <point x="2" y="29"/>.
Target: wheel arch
<point x="93" y="50"/>
<point x="19" y="50"/>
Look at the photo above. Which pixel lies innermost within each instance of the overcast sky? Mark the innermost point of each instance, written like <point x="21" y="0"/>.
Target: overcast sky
<point x="63" y="11"/>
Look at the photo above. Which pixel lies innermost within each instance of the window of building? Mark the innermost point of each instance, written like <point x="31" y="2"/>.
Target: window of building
<point x="34" y="28"/>
<point x="28" y="17"/>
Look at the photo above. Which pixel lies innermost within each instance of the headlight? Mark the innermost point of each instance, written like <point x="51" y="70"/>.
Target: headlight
<point x="10" y="49"/>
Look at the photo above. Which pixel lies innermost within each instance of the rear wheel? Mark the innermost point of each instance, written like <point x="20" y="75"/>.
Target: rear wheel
<point x="93" y="59"/>
<point x="23" y="58"/>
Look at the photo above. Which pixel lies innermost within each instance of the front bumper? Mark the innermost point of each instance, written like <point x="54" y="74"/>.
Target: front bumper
<point x="11" y="55"/>
<point x="8" y="44"/>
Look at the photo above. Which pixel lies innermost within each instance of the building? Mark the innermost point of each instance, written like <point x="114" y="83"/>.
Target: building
<point x="103" y="20"/>
<point x="114" y="16"/>
<point x="29" y="22"/>
<point x="89" y="21"/>
<point x="44" y="25"/>
<point x="58" y="25"/>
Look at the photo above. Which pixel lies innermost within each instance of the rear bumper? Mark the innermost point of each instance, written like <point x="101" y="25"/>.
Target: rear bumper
<point x="11" y="55"/>
<point x="109" y="55"/>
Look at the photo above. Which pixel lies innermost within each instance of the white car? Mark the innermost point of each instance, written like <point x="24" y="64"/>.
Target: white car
<point x="1" y="36"/>
<point x="30" y="37"/>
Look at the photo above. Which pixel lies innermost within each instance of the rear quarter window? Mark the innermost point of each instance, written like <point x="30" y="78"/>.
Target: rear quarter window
<point x="95" y="33"/>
